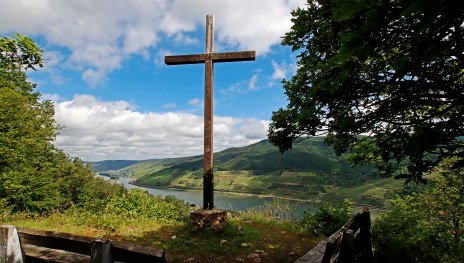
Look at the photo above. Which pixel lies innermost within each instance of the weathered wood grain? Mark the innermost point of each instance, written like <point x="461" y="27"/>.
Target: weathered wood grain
<point x="215" y="57"/>
<point x="44" y="254"/>
<point x="10" y="246"/>
<point x="120" y="251"/>
<point x="209" y="58"/>
<point x="101" y="251"/>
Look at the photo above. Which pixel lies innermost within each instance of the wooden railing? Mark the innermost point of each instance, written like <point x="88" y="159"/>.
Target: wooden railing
<point x="351" y="243"/>
<point x="29" y="245"/>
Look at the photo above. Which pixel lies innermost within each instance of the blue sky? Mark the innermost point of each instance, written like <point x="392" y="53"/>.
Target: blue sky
<point x="117" y="98"/>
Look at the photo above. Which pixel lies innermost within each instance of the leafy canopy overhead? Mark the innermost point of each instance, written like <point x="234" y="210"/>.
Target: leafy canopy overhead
<point x="391" y="70"/>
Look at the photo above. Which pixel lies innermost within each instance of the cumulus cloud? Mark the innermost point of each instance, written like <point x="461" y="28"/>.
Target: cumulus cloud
<point x="280" y="71"/>
<point x="169" y="106"/>
<point x="100" y="34"/>
<point x="256" y="24"/>
<point x="243" y="87"/>
<point x="53" y="60"/>
<point x="252" y="83"/>
<point x="195" y="102"/>
<point x="97" y="130"/>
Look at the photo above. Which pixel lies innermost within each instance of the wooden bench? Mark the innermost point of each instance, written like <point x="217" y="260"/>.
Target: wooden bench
<point x="49" y="246"/>
<point x="351" y="243"/>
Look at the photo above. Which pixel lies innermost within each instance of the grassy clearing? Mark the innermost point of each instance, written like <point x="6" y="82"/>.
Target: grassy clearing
<point x="250" y="232"/>
<point x="373" y="189"/>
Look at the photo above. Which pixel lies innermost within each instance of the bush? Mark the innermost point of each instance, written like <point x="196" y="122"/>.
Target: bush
<point x="425" y="227"/>
<point x="327" y="219"/>
<point x="137" y="203"/>
<point x="276" y="210"/>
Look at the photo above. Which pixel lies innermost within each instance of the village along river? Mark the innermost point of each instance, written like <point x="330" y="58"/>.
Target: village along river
<point x="221" y="200"/>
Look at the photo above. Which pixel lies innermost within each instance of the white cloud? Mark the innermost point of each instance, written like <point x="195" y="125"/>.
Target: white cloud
<point x="280" y="71"/>
<point x="242" y="87"/>
<point x="93" y="77"/>
<point x="196" y="102"/>
<point x="256" y="24"/>
<point x="100" y="34"/>
<point x="252" y="83"/>
<point x="159" y="57"/>
<point x="52" y="97"/>
<point x="182" y="39"/>
<point x="169" y="106"/>
<point x="53" y="61"/>
<point x="98" y="130"/>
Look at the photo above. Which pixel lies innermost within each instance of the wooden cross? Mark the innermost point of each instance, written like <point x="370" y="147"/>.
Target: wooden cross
<point x="209" y="58"/>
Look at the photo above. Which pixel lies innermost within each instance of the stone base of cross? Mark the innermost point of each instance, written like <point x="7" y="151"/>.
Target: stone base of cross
<point x="209" y="58"/>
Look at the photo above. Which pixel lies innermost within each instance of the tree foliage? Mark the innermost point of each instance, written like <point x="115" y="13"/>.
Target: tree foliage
<point x="26" y="131"/>
<point x="425" y="227"/>
<point x="388" y="69"/>
<point x="36" y="177"/>
<point x="327" y="219"/>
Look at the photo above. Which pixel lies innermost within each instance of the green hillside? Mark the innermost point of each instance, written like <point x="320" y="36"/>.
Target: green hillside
<point x="111" y="165"/>
<point x="262" y="158"/>
<point x="309" y="170"/>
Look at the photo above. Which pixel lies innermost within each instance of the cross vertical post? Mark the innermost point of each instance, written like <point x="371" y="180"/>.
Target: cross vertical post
<point x="208" y="177"/>
<point x="209" y="58"/>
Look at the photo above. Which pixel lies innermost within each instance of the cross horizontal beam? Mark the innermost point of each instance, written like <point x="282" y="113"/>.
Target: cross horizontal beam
<point x="215" y="57"/>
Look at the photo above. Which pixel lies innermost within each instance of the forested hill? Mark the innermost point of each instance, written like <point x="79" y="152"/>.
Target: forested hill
<point x="111" y="165"/>
<point x="310" y="155"/>
<point x="309" y="170"/>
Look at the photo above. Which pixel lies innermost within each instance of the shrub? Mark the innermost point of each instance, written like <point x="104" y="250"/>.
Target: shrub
<point x="425" y="227"/>
<point x="137" y="203"/>
<point x="327" y="219"/>
<point x="277" y="209"/>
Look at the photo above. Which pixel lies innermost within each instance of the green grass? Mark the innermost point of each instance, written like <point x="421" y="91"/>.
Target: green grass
<point x="249" y="232"/>
<point x="373" y="188"/>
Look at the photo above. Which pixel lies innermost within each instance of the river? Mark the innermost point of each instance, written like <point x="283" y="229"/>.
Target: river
<point x="221" y="200"/>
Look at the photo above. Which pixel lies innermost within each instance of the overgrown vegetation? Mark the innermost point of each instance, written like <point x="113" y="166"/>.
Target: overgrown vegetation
<point x="263" y="232"/>
<point x="426" y="226"/>
<point x="327" y="219"/>
<point x="391" y="70"/>
<point x="35" y="177"/>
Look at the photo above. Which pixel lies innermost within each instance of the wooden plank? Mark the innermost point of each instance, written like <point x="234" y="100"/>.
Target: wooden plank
<point x="234" y="56"/>
<point x="56" y="240"/>
<point x="216" y="57"/>
<point x="126" y="252"/>
<point x="208" y="177"/>
<point x="209" y="58"/>
<point x="328" y="250"/>
<point x="324" y="251"/>
<point x="10" y="246"/>
<point x="208" y="194"/>
<point x="185" y="59"/>
<point x="314" y="255"/>
<point x="209" y="47"/>
<point x="44" y="254"/>
<point x="123" y="252"/>
<point x="347" y="252"/>
<point x="365" y="253"/>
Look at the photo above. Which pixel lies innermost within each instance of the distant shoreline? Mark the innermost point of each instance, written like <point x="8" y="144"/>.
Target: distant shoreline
<point x="229" y="193"/>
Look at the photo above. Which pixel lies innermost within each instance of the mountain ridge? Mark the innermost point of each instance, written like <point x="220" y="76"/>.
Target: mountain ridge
<point x="310" y="171"/>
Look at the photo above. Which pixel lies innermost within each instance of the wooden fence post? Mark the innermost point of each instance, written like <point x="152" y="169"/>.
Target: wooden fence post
<point x="347" y="249"/>
<point x="366" y="254"/>
<point x="101" y="251"/>
<point x="10" y="247"/>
